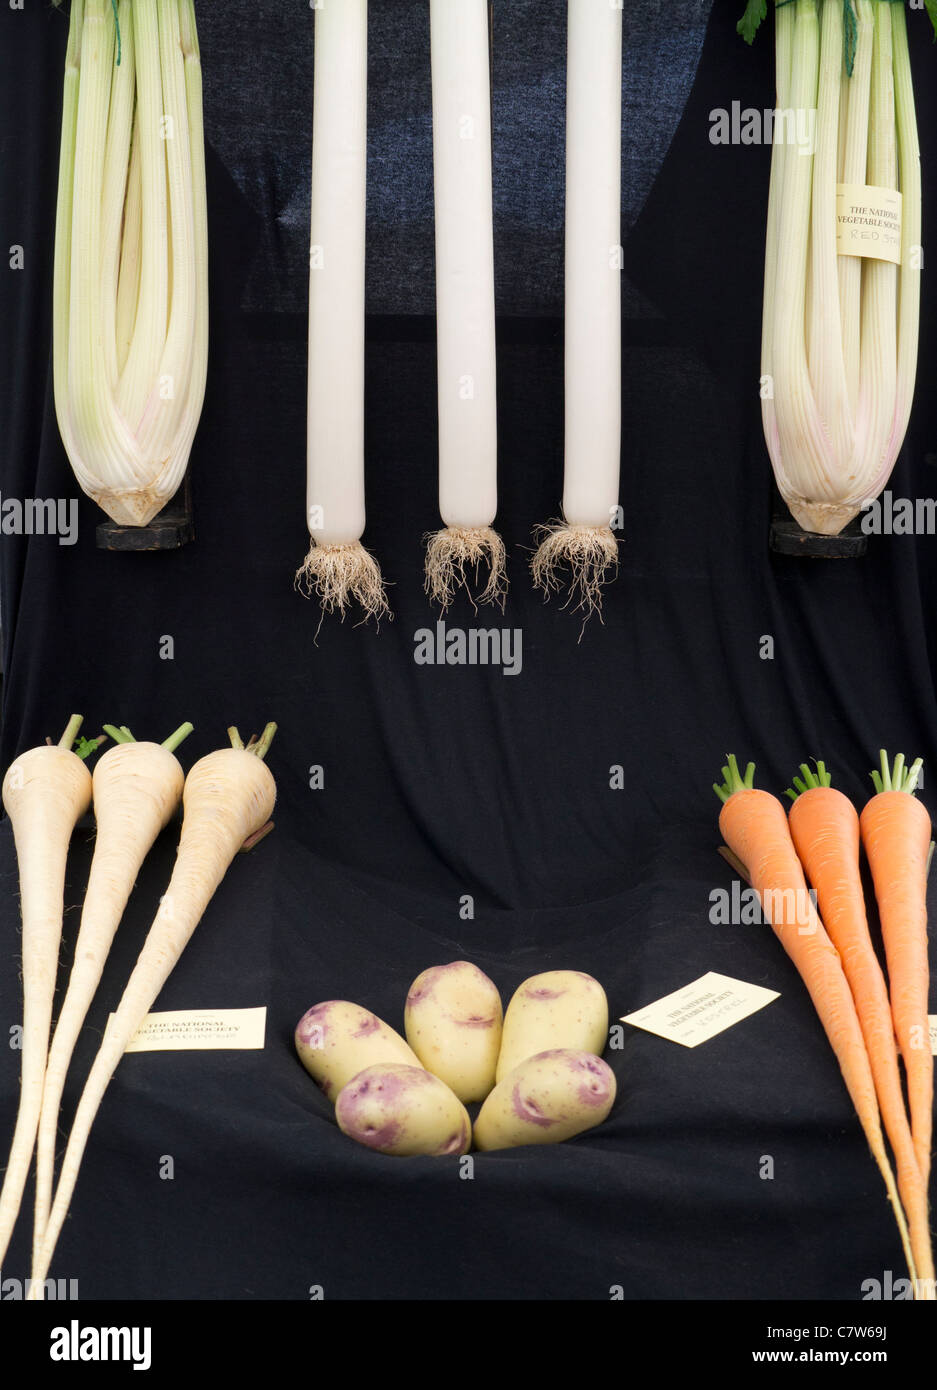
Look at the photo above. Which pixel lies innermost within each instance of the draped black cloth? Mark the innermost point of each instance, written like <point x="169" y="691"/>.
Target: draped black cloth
<point x="464" y="812"/>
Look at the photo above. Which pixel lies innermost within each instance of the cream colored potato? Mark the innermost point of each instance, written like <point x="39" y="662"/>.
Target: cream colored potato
<point x="561" y="1008"/>
<point x="336" y="1039"/>
<point x="548" y="1098"/>
<point x="453" y="1023"/>
<point x="403" y="1110"/>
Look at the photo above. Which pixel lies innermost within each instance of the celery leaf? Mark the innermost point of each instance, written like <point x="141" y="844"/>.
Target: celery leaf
<point x="757" y="10"/>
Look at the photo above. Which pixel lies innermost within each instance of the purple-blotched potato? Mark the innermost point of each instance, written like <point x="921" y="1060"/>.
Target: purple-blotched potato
<point x="548" y="1098"/>
<point x="336" y="1039"/>
<point x="453" y="1023"/>
<point x="403" y="1111"/>
<point x="560" y="1008"/>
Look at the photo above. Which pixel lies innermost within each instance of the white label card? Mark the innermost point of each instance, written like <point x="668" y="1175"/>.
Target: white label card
<point x="701" y="1010"/>
<point x="868" y="222"/>
<point x="182" y="1030"/>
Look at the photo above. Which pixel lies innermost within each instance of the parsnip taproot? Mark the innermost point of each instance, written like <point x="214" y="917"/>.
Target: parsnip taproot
<point x="227" y="802"/>
<point x="45" y="793"/>
<point x="135" y="790"/>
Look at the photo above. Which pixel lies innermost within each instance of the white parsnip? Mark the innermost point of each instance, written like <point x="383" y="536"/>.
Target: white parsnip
<point x="45" y="793"/>
<point x="135" y="790"/>
<point x="227" y="802"/>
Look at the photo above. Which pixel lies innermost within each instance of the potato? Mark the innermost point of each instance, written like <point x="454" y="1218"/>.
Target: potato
<point x="453" y="1023"/>
<point x="335" y="1040"/>
<point x="403" y="1110"/>
<point x="548" y="1098"/>
<point x="561" y="1008"/>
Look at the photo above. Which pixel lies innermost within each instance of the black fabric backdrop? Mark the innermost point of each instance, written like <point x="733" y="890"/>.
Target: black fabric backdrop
<point x="445" y="781"/>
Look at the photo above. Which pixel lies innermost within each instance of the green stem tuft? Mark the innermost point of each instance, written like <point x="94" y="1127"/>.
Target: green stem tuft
<point x="895" y="777"/>
<point x="174" y="739"/>
<point x="119" y="735"/>
<point x="84" y="747"/>
<point x="809" y="780"/>
<point x="259" y="746"/>
<point x="71" y="731"/>
<point x="266" y="738"/>
<point x="733" y="780"/>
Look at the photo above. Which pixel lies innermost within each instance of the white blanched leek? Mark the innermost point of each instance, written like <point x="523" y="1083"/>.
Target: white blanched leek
<point x="130" y="298"/>
<point x="581" y="548"/>
<point x="338" y="569"/>
<point x="840" y="331"/>
<point x="467" y="544"/>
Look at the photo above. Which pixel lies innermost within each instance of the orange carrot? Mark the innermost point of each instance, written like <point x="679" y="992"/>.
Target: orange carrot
<point x="754" y="826"/>
<point x="825" y="829"/>
<point x="896" y="833"/>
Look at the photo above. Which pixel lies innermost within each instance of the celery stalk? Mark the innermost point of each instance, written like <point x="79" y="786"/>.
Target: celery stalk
<point x="839" y="331"/>
<point x="878" y="368"/>
<point x="131" y="286"/>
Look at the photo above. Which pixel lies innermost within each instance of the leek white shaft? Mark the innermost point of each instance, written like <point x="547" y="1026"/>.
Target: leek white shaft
<point x="593" y="276"/>
<point x="465" y="310"/>
<point x="335" y="443"/>
<point x="583" y="542"/>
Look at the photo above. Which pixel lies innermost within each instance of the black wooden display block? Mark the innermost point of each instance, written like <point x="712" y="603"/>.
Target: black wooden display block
<point x="170" y="529"/>
<point x="788" y="538"/>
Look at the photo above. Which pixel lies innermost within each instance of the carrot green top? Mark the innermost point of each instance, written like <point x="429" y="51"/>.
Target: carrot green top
<point x="734" y="781"/>
<point x="808" y="780"/>
<point x="897" y="778"/>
